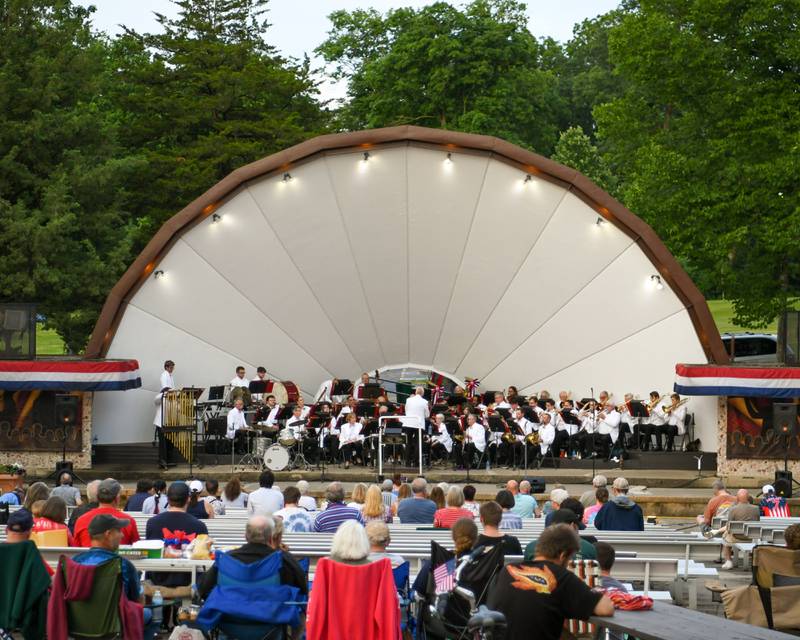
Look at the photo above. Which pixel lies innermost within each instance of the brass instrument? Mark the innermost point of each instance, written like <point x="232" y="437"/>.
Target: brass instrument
<point x="533" y="439"/>
<point x="652" y="405"/>
<point x="670" y="408"/>
<point x="178" y="418"/>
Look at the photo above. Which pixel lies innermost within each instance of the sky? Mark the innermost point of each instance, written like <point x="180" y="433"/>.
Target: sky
<point x="298" y="26"/>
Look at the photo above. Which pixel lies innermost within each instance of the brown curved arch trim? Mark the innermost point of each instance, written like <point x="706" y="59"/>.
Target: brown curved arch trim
<point x="606" y="206"/>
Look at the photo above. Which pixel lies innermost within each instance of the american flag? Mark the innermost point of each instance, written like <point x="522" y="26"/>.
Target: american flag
<point x="444" y="576"/>
<point x="472" y="387"/>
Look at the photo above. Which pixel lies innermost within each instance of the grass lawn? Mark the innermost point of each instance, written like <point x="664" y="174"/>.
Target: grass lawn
<point x="722" y="311"/>
<point x="48" y="342"/>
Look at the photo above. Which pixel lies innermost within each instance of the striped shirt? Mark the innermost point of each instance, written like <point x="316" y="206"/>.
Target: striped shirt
<point x="329" y="520"/>
<point x="510" y="521"/>
<point x="445" y="518"/>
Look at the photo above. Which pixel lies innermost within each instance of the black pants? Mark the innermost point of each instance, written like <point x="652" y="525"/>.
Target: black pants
<point x="563" y="442"/>
<point x="351" y="451"/>
<point x="165" y="448"/>
<point x="471" y="455"/>
<point x="660" y="431"/>
<point x="584" y="443"/>
<point x="438" y="451"/>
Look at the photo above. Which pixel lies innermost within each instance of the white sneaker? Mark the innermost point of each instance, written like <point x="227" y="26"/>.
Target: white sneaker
<point x="615" y="459"/>
<point x="727" y="565"/>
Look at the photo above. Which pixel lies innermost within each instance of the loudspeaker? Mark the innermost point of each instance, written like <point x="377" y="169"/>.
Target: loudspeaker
<point x="68" y="408"/>
<point x="783" y="484"/>
<point x="217" y="427"/>
<point x="784" y="418"/>
<point x="537" y="484"/>
<point x="66" y="465"/>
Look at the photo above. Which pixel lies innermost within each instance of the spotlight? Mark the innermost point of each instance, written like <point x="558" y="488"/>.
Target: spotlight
<point x="656" y="282"/>
<point x="287" y="177"/>
<point x="366" y="156"/>
<point x="449" y="159"/>
<point x="600" y="221"/>
<point x="528" y="178"/>
<point x="215" y="218"/>
<point x="158" y="273"/>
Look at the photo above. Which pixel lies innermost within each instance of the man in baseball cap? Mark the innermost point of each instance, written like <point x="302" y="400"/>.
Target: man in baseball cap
<point x="19" y="526"/>
<point x="108" y="493"/>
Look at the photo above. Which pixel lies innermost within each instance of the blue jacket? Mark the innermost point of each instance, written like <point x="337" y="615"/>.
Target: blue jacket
<point x="620" y="514"/>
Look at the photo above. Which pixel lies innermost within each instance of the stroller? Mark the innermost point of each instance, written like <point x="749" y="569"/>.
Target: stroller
<point x="452" y="606"/>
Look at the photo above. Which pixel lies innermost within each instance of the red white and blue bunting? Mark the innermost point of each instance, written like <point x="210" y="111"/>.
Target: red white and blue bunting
<point x="69" y="375"/>
<point x="733" y="380"/>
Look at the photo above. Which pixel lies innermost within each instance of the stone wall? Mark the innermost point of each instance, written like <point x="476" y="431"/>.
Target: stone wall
<point x="40" y="460"/>
<point x="744" y="467"/>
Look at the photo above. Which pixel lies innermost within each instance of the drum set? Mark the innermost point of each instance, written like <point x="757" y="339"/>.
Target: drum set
<point x="284" y="452"/>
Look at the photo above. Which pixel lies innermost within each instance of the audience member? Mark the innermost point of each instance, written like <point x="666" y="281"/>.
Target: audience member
<point x="387" y="493"/>
<point x="506" y="501"/>
<point x="445" y="518"/>
<point x="565" y="515"/>
<point x="491" y="515"/>
<point x="336" y="512"/>
<point x="397" y="482"/>
<point x="379" y="538"/>
<point x="174" y="519"/>
<point x="589" y="496"/>
<point x="198" y="507"/>
<point x="557" y="496"/>
<point x="417" y="509"/>
<point x="403" y="493"/>
<point x="742" y="511"/>
<point x="358" y="495"/>
<point x="157" y="502"/>
<point x="512" y="487"/>
<point x="91" y="503"/>
<point x="16" y="494"/>
<point x="718" y="505"/>
<point x="772" y="506"/>
<point x="260" y="543"/>
<point x="606" y="555"/>
<point x="469" y="501"/>
<point x="53" y="517"/>
<point x="620" y="513"/>
<point x="525" y="505"/>
<point x="350" y="544"/>
<point x="37" y="491"/>
<point x="217" y="505"/>
<point x="306" y="501"/>
<point x="437" y="497"/>
<point x="374" y="508"/>
<point x="547" y="507"/>
<point x="792" y="537"/>
<point x="19" y="528"/>
<point x="590" y="513"/>
<point x="265" y="500"/>
<point x="36" y="508"/>
<point x="69" y="494"/>
<point x="541" y="594"/>
<point x="294" y="517"/>
<point x="465" y="537"/>
<point x="233" y="497"/>
<point x="108" y="502"/>
<point x="144" y="489"/>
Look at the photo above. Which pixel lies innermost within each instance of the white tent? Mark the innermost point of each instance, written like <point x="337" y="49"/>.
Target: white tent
<point x="381" y="248"/>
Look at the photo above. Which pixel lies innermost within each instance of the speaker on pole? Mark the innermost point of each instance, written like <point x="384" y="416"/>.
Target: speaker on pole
<point x="68" y="409"/>
<point x="783" y="483"/>
<point x="537" y="483"/>
<point x="784" y="418"/>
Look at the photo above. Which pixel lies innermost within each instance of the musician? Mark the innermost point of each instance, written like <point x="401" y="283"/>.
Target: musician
<point x="266" y="415"/>
<point x="298" y="424"/>
<point x="261" y="375"/>
<point x="628" y="423"/>
<point x="304" y="410"/>
<point x="608" y="428"/>
<point x="416" y="407"/>
<point x="533" y="403"/>
<point x="441" y="442"/>
<point x="239" y="380"/>
<point x="524" y="429"/>
<point x="167" y="381"/>
<point x="350" y="440"/>
<point x="512" y="394"/>
<point x="547" y="434"/>
<point x="563" y="397"/>
<point x="604" y="398"/>
<point x="474" y="439"/>
<point x="325" y="390"/>
<point x="500" y="401"/>
<point x="165" y="447"/>
<point x="359" y="386"/>
<point x="676" y="420"/>
<point x="656" y="424"/>
<point x="566" y="429"/>
<point x="327" y="431"/>
<point x="562" y="436"/>
<point x="236" y="420"/>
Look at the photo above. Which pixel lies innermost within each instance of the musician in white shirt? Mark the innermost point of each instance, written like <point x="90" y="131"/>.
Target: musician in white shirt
<point x="676" y="420"/>
<point x="500" y="401"/>
<point x="350" y="440"/>
<point x="566" y="432"/>
<point x="656" y="423"/>
<point x="167" y="381"/>
<point x="416" y="407"/>
<point x="360" y="385"/>
<point x="441" y="442"/>
<point x="267" y="415"/>
<point x="563" y="396"/>
<point x="608" y="428"/>
<point x="239" y="380"/>
<point x="547" y="434"/>
<point x="526" y="428"/>
<point x="474" y="440"/>
<point x="561" y="441"/>
<point x="327" y="431"/>
<point x="324" y="391"/>
<point x="304" y="409"/>
<point x="586" y="438"/>
<point x="236" y="419"/>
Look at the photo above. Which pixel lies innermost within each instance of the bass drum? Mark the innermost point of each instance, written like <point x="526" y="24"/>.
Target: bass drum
<point x="285" y="392"/>
<point x="276" y="458"/>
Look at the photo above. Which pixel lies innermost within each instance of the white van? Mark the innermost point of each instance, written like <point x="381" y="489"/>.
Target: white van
<point x="751" y="347"/>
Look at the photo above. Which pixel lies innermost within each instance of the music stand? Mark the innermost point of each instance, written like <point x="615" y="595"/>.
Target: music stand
<point x="496" y="426"/>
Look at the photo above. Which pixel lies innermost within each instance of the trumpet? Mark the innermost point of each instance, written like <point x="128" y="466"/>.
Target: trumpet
<point x="670" y="408"/>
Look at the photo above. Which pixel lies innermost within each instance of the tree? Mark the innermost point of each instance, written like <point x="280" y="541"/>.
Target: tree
<point x="65" y="220"/>
<point x="705" y="141"/>
<point x="475" y="70"/>
<point x="575" y="149"/>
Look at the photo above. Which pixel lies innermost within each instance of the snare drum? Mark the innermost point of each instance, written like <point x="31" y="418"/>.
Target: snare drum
<point x="285" y="392"/>
<point x="276" y="458"/>
<point x="286" y="437"/>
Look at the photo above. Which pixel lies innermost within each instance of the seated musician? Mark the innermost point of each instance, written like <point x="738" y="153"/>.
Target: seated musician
<point x="568" y="415"/>
<point x="512" y="395"/>
<point x="676" y="420"/>
<point x="349" y="407"/>
<point x="359" y="386"/>
<point x="261" y="375"/>
<point x="604" y="398"/>
<point x="299" y="428"/>
<point x="628" y="423"/>
<point x="563" y="434"/>
<point x="586" y="438"/>
<point x="327" y="432"/>
<point x="266" y="415"/>
<point x="656" y="423"/>
<point x="304" y="410"/>
<point x="441" y="442"/>
<point x="608" y="429"/>
<point x="474" y="440"/>
<point x="525" y="429"/>
<point x="239" y="380"/>
<point x="236" y="422"/>
<point x="350" y="440"/>
<point x="547" y="435"/>
<point x="533" y="403"/>
<point x="500" y="401"/>
<point x="563" y="397"/>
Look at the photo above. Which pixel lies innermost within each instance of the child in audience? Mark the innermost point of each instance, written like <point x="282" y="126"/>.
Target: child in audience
<point x="605" y="559"/>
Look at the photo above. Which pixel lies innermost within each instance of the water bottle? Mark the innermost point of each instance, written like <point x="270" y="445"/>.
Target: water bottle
<point x="158" y="609"/>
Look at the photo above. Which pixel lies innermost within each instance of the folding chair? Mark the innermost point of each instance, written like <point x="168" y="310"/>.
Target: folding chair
<point x="97" y="617"/>
<point x="402" y="581"/>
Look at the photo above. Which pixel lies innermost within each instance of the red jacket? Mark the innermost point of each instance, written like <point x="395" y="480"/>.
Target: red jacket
<point x="130" y="534"/>
<point x="353" y="602"/>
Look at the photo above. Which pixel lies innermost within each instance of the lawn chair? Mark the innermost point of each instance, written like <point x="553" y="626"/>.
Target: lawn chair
<point x="402" y="582"/>
<point x="771" y="601"/>
<point x="98" y="616"/>
<point x="25" y="584"/>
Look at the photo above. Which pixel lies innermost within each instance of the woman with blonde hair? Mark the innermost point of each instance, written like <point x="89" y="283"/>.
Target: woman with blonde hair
<point x="36" y="492"/>
<point x="358" y="496"/>
<point x="437" y="495"/>
<point x="374" y="507"/>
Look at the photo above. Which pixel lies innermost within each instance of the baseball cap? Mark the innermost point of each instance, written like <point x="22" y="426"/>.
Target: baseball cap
<point x="20" y="521"/>
<point x="103" y="522"/>
<point x="196" y="485"/>
<point x="767" y="488"/>
<point x="565" y="516"/>
<point x="108" y="490"/>
<point x="178" y="492"/>
<point x="620" y="484"/>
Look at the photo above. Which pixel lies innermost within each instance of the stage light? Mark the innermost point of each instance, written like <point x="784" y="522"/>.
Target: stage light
<point x="366" y="156"/>
<point x="655" y="281"/>
<point x="528" y="178"/>
<point x="215" y="218"/>
<point x="159" y="273"/>
<point x="600" y="221"/>
<point x="449" y="159"/>
<point x="287" y="177"/>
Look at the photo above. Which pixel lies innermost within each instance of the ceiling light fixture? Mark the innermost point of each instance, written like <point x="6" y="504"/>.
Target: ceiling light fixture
<point x="287" y="177"/>
<point x="656" y="282"/>
<point x="215" y="218"/>
<point x="158" y="273"/>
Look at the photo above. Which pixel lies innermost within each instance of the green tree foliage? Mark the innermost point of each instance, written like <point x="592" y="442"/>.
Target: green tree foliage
<point x="575" y="149"/>
<point x="476" y="69"/>
<point x="705" y="141"/>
